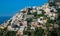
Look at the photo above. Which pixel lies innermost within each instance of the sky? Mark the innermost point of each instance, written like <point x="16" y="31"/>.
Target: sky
<point x="11" y="7"/>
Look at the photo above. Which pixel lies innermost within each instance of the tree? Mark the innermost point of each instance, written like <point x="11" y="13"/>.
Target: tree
<point x="38" y="32"/>
<point x="52" y="4"/>
<point x="11" y="33"/>
<point x="1" y="33"/>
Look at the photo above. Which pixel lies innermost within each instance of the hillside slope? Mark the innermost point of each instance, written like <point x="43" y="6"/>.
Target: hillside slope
<point x="44" y="17"/>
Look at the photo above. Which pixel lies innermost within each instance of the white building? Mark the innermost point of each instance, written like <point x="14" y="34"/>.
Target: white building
<point x="39" y="12"/>
<point x="33" y="28"/>
<point x="40" y="20"/>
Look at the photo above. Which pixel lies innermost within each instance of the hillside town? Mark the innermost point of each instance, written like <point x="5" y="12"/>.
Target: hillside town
<point x="35" y="21"/>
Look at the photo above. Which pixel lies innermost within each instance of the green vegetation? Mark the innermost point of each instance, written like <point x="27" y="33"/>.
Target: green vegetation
<point x="29" y="19"/>
<point x="39" y="32"/>
<point x="52" y="4"/>
<point x="11" y="33"/>
<point x="58" y="10"/>
<point x="5" y="32"/>
<point x="29" y="13"/>
<point x="39" y="15"/>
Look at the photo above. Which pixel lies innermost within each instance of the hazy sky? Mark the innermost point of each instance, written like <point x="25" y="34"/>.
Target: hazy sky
<point x="11" y="7"/>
